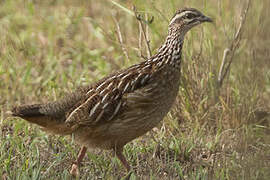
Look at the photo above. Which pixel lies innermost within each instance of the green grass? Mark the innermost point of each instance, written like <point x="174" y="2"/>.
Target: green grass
<point x="48" y="48"/>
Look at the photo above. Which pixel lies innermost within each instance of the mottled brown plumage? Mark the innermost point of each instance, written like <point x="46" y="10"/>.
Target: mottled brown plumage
<point x="123" y="105"/>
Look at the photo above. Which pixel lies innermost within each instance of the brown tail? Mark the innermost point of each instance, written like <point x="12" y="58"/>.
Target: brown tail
<point x="52" y="116"/>
<point x="26" y="111"/>
<point x="38" y="114"/>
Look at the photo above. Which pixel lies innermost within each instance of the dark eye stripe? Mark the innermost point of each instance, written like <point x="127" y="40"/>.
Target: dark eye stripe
<point x="190" y="15"/>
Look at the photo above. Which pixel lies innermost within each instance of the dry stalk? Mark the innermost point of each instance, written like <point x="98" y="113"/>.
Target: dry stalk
<point x="140" y="42"/>
<point x="229" y="52"/>
<point x="144" y="31"/>
<point x="147" y="41"/>
<point x="220" y="75"/>
<point x="119" y="34"/>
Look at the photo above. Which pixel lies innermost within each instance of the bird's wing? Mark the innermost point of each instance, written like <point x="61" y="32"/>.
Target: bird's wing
<point x="140" y="102"/>
<point x="107" y="98"/>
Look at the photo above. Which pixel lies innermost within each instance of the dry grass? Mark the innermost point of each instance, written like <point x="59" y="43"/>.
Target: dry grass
<point x="51" y="47"/>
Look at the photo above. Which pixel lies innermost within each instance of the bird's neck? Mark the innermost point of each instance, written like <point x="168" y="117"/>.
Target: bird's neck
<point x="170" y="52"/>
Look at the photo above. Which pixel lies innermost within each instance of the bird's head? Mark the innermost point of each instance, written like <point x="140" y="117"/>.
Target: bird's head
<point x="185" y="19"/>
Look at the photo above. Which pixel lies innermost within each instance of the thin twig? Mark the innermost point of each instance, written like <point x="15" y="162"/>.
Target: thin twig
<point x="140" y="41"/>
<point x="140" y="20"/>
<point x="119" y="34"/>
<point x="147" y="41"/>
<point x="230" y="52"/>
<point x="225" y="54"/>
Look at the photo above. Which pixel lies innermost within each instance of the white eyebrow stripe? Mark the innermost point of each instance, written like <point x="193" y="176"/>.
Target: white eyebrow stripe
<point x="180" y="15"/>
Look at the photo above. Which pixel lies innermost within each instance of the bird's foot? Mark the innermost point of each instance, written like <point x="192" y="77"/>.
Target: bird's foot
<point x="75" y="170"/>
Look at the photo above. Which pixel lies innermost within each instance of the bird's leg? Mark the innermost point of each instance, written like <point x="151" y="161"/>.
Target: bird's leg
<point x="121" y="157"/>
<point x="74" y="169"/>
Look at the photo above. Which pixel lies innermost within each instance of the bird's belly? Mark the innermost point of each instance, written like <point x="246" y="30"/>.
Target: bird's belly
<point x="118" y="133"/>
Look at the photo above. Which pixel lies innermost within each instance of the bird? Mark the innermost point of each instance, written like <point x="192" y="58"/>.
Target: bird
<point x="124" y="105"/>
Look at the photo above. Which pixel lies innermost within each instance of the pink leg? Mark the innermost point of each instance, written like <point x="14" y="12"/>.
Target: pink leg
<point x="121" y="157"/>
<point x="74" y="169"/>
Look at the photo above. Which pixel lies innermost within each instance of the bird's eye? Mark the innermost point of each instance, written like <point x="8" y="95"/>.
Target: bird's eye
<point x="189" y="16"/>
